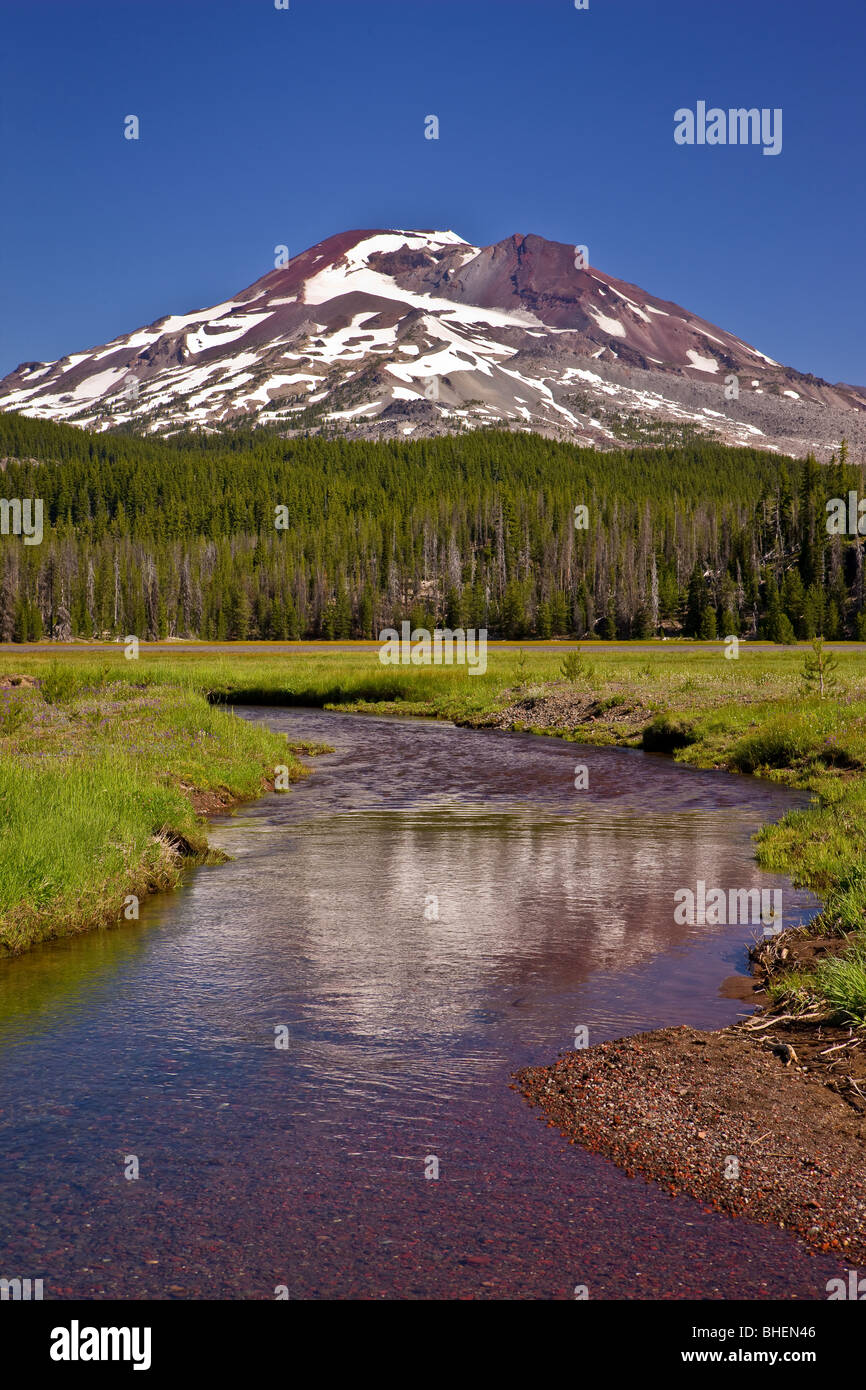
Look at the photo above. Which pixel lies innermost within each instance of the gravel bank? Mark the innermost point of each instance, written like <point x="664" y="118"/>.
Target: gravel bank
<point x="762" y="1124"/>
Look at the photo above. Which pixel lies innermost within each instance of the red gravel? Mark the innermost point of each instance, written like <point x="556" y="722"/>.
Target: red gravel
<point x="675" y="1106"/>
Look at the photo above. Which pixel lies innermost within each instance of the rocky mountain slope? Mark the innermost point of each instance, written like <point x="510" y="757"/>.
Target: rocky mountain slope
<point x="392" y="333"/>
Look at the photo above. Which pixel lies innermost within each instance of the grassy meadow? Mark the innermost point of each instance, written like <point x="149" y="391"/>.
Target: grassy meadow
<point x="102" y="761"/>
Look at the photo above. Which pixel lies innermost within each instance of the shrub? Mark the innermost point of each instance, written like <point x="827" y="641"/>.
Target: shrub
<point x="666" y="733"/>
<point x="575" y="667"/>
<point x="59" y="685"/>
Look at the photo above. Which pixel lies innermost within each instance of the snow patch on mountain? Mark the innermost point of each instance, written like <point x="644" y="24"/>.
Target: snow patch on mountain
<point x="702" y="364"/>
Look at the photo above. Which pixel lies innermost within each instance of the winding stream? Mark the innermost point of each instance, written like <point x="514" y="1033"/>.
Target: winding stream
<point x="433" y="908"/>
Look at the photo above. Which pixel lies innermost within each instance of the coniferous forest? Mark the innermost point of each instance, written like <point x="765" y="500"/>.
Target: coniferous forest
<point x="249" y="535"/>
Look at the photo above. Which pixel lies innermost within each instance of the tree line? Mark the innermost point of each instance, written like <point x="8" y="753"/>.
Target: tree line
<point x="251" y="535"/>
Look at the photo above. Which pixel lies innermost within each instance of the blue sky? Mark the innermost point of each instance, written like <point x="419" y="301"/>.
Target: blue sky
<point x="261" y="127"/>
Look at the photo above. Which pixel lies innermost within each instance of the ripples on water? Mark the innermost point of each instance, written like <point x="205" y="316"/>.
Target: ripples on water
<point x="553" y="909"/>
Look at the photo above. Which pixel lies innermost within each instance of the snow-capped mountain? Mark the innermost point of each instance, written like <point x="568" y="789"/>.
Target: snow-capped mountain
<point x="419" y="332"/>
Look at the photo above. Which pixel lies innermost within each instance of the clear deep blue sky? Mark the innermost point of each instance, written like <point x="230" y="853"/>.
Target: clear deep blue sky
<point x="261" y="127"/>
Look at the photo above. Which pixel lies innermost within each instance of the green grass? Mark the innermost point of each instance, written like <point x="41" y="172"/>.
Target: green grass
<point x="841" y="982"/>
<point x="97" y="793"/>
<point x="749" y="715"/>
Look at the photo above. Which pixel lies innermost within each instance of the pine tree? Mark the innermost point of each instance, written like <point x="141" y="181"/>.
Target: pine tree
<point x="819" y="670"/>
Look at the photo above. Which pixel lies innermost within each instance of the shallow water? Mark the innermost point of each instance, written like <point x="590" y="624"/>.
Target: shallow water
<point x="433" y="908"/>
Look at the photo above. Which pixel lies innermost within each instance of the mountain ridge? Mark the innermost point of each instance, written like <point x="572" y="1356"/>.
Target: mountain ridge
<point x="381" y="332"/>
